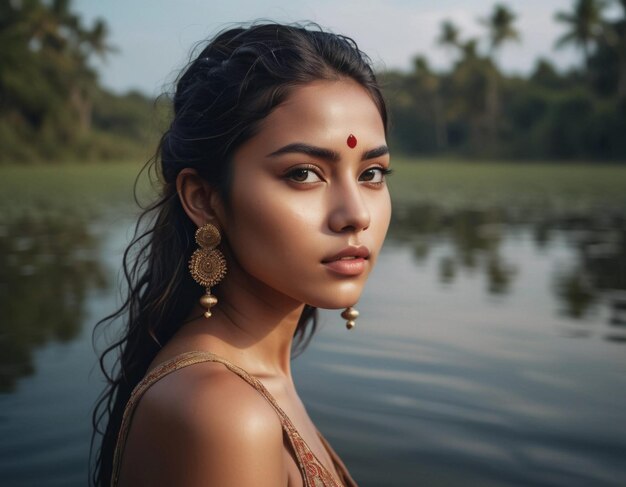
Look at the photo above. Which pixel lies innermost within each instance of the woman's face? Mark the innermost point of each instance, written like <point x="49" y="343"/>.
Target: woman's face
<point x="308" y="213"/>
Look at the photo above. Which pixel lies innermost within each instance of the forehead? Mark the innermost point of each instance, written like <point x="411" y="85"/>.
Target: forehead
<point x="325" y="113"/>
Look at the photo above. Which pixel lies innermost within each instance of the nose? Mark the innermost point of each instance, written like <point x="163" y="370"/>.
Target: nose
<point x="349" y="209"/>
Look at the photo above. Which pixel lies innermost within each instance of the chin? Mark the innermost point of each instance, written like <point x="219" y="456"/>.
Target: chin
<point x="337" y="300"/>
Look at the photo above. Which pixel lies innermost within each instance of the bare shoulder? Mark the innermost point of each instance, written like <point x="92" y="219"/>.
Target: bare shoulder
<point x="204" y="425"/>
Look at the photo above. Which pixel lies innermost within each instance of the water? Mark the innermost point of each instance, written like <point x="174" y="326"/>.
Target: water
<point x="489" y="351"/>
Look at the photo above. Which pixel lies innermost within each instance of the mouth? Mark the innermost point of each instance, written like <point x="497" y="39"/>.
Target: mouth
<point x="351" y="261"/>
<point x="349" y="253"/>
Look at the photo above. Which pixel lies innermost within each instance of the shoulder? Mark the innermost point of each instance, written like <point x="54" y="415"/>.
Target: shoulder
<point x="202" y="425"/>
<point x="206" y="396"/>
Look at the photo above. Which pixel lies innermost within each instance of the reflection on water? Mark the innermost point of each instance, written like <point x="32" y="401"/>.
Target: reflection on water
<point x="461" y="371"/>
<point x="473" y="237"/>
<point x="48" y="264"/>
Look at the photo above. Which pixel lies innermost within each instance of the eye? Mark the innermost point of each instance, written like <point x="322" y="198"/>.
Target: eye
<point x="374" y="175"/>
<point x="303" y="175"/>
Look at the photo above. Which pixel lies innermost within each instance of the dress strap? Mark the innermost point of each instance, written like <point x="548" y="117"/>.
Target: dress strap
<point x="340" y="467"/>
<point x="311" y="468"/>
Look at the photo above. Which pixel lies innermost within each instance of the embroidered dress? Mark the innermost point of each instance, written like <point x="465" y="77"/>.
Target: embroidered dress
<point x="314" y="474"/>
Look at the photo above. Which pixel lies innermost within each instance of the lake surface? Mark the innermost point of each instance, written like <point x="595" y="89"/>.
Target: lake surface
<point x="490" y="351"/>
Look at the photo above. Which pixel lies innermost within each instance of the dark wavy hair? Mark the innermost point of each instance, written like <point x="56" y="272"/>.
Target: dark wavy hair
<point x="221" y="97"/>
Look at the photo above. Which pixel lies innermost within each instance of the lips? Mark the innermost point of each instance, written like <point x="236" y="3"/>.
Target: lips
<point x="349" y="253"/>
<point x="351" y="261"/>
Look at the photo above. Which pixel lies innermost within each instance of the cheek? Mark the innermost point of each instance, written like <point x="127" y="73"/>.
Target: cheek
<point x="269" y="231"/>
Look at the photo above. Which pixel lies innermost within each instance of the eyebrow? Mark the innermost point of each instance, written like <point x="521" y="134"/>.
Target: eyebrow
<point x="327" y="154"/>
<point x="377" y="152"/>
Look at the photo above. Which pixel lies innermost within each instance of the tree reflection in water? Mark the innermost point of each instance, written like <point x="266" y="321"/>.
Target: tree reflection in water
<point x="473" y="238"/>
<point x="599" y="276"/>
<point x="48" y="264"/>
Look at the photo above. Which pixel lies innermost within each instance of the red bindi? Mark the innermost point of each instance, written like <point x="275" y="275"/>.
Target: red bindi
<point x="351" y="141"/>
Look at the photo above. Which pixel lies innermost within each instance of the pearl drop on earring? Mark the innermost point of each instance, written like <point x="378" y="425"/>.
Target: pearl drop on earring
<point x="351" y="315"/>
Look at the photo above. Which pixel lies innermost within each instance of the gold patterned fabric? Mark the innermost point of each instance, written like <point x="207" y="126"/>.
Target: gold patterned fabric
<point x="314" y="474"/>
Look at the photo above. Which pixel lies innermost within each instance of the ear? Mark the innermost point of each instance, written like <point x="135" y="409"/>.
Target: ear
<point x="199" y="199"/>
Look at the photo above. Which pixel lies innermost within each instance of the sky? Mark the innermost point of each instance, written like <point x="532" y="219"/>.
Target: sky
<point x="154" y="38"/>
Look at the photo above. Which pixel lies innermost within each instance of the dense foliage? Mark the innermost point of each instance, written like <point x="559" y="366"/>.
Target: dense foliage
<point x="473" y="109"/>
<point x="51" y="105"/>
<point x="53" y="108"/>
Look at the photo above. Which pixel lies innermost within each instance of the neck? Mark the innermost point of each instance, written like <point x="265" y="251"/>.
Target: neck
<point x="253" y="324"/>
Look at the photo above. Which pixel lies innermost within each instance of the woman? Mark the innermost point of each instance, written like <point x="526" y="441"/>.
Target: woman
<point x="273" y="204"/>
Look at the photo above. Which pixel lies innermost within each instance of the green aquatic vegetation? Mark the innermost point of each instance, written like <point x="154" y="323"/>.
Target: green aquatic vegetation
<point x="76" y="189"/>
<point x="83" y="189"/>
<point x="482" y="184"/>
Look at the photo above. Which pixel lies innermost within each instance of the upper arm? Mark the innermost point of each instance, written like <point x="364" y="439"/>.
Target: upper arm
<point x="214" y="430"/>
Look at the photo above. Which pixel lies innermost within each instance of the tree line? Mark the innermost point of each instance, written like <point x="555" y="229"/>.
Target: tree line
<point x="474" y="109"/>
<point x="53" y="108"/>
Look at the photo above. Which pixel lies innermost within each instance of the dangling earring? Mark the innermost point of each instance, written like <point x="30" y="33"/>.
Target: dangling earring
<point x="351" y="315"/>
<point x="207" y="264"/>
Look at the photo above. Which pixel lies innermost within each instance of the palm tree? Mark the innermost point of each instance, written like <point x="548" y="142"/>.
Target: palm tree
<point x="616" y="37"/>
<point x="500" y="27"/>
<point x="449" y="36"/>
<point x="585" y="25"/>
<point x="470" y="49"/>
<point x="428" y="83"/>
<point x="500" y="30"/>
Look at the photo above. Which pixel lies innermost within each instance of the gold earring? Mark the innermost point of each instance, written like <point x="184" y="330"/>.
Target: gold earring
<point x="207" y="264"/>
<point x="351" y="315"/>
